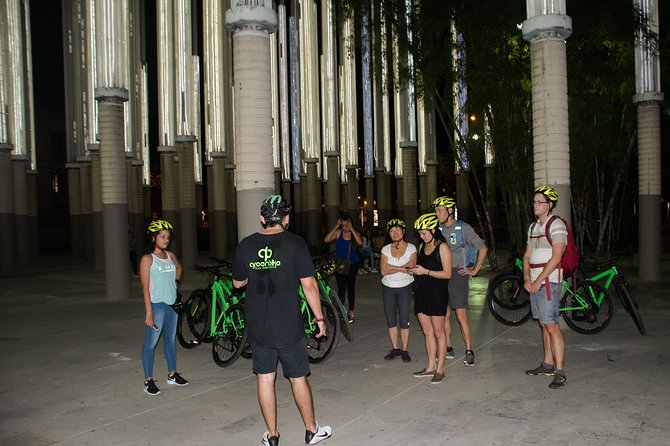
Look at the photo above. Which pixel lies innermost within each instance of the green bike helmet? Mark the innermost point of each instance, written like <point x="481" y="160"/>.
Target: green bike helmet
<point x="395" y="222"/>
<point x="445" y="201"/>
<point x="426" y="222"/>
<point x="548" y="192"/>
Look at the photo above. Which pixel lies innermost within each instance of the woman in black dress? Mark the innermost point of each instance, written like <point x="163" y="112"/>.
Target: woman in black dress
<point x="431" y="293"/>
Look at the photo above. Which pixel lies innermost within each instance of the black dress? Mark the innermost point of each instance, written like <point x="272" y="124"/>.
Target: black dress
<point x="431" y="295"/>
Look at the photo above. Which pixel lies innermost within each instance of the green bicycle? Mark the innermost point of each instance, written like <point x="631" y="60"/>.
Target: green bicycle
<point x="586" y="306"/>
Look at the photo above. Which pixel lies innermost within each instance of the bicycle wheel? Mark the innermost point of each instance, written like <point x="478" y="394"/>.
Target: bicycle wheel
<point x="345" y="327"/>
<point x="228" y="347"/>
<point x="581" y="311"/>
<point x="507" y="300"/>
<point x="320" y="349"/>
<point x="193" y="321"/>
<point x="631" y="306"/>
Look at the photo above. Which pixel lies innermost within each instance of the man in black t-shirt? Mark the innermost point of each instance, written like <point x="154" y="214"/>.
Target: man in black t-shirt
<point x="272" y="263"/>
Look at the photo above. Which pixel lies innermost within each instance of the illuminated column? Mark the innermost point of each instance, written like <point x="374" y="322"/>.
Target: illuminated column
<point x="251" y="26"/>
<point x="368" y="126"/>
<point x="546" y="29"/>
<point x="329" y="112"/>
<point x="111" y="93"/>
<point x="648" y="99"/>
<point x="489" y="166"/>
<point x="348" y="117"/>
<point x="426" y="152"/>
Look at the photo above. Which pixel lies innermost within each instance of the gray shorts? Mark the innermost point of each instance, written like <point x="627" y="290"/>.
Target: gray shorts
<point x="546" y="311"/>
<point x="459" y="288"/>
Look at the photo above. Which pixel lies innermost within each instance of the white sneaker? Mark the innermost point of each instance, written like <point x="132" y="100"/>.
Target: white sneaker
<point x="267" y="440"/>
<point x="321" y="434"/>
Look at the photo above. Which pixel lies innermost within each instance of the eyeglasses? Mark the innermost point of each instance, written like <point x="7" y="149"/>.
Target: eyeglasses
<point x="540" y="202"/>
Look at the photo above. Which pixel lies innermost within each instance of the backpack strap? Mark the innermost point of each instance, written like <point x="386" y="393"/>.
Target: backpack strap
<point x="542" y="265"/>
<point x="461" y="241"/>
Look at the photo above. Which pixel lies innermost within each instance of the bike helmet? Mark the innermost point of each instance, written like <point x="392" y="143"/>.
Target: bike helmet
<point x="274" y="208"/>
<point x="426" y="222"/>
<point x="395" y="222"/>
<point x="445" y="201"/>
<point x="158" y="226"/>
<point x="548" y="192"/>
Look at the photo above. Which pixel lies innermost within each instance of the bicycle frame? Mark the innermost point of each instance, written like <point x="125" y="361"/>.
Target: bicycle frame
<point x="220" y="290"/>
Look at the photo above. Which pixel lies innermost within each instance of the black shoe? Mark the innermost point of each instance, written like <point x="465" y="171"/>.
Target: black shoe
<point x="450" y="353"/>
<point x="469" y="358"/>
<point x="267" y="440"/>
<point x="176" y="380"/>
<point x="405" y="356"/>
<point x="321" y="434"/>
<point x="150" y="387"/>
<point x="541" y="370"/>
<point x="393" y="354"/>
<point x="558" y="382"/>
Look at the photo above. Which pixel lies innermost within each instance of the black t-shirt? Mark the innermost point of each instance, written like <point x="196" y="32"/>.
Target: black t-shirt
<point x="274" y="265"/>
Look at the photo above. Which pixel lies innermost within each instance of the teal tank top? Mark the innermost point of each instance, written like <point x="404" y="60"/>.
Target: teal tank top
<point x="162" y="285"/>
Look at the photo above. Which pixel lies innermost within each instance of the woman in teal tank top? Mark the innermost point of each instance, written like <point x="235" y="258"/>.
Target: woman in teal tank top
<point x="160" y="271"/>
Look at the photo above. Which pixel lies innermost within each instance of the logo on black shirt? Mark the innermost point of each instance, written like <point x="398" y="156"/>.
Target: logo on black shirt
<point x="267" y="261"/>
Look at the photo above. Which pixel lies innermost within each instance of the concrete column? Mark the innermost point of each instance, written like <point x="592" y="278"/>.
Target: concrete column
<point x="286" y="190"/>
<point x="370" y="199"/>
<point x="169" y="198"/>
<point x="409" y="168"/>
<point x="21" y="236"/>
<point x="384" y="205"/>
<point x="298" y="206"/>
<point x="137" y="213"/>
<point x="86" y="234"/>
<point x="431" y="184"/>
<point x="303" y="204"/>
<point x="31" y="182"/>
<point x="351" y="199"/>
<point x="96" y="201"/>
<point x="7" y="255"/>
<point x="251" y="26"/>
<point x="649" y="189"/>
<point x="313" y="190"/>
<point x="546" y="33"/>
<point x="187" y="223"/>
<point x="114" y="193"/>
<point x="333" y="201"/>
<point x="463" y="203"/>
<point x="218" y="220"/>
<point x="74" y="200"/>
<point x="424" y="201"/>
<point x="399" y="188"/>
<point x="231" y="210"/>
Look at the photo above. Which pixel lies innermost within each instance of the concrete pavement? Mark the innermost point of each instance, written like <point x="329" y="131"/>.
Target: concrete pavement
<point x="72" y="375"/>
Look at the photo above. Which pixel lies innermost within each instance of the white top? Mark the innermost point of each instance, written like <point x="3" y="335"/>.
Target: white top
<point x="397" y="280"/>
<point x="541" y="249"/>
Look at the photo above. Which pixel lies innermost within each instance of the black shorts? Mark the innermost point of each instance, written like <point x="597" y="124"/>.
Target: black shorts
<point x="294" y="360"/>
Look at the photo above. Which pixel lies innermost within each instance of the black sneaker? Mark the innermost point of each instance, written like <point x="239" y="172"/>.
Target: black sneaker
<point x="150" y="387"/>
<point x="541" y="370"/>
<point x="321" y="434"/>
<point x="267" y="440"/>
<point x="392" y="354"/>
<point x="450" y="353"/>
<point x="176" y="380"/>
<point x="469" y="358"/>
<point x="558" y="382"/>
<point x="405" y="356"/>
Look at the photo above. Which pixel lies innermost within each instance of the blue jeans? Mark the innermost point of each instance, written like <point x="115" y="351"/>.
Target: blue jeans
<point x="165" y="318"/>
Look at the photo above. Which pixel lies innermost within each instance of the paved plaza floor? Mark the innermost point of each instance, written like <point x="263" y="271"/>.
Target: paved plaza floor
<point x="72" y="375"/>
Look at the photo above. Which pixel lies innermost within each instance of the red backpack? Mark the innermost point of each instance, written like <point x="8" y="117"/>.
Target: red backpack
<point x="570" y="259"/>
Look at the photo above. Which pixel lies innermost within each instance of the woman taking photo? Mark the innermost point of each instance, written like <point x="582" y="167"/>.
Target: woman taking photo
<point x="347" y="239"/>
<point x="431" y="293"/>
<point x="396" y="258"/>
<point x="160" y="271"/>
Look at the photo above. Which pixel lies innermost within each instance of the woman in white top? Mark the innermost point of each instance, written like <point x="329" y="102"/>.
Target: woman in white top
<point x="396" y="257"/>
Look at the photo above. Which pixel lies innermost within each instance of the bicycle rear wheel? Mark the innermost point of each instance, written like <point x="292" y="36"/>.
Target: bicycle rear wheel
<point x="321" y="349"/>
<point x="581" y="310"/>
<point x="630" y="304"/>
<point x="345" y="327"/>
<point x="507" y="300"/>
<point x="227" y="347"/>
<point x="193" y="321"/>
